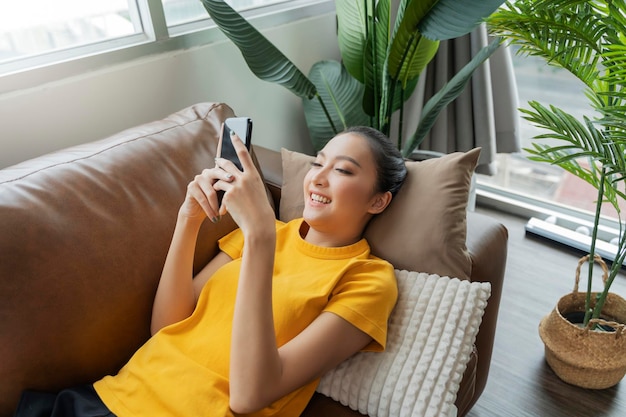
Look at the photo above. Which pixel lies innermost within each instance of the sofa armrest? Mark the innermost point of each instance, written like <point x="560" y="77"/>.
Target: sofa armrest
<point x="487" y="244"/>
<point x="272" y="171"/>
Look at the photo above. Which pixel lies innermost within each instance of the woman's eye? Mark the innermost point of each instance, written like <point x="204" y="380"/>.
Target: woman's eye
<point x="316" y="164"/>
<point x="344" y="171"/>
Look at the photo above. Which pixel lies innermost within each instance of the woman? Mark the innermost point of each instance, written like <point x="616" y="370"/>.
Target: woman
<point x="278" y="306"/>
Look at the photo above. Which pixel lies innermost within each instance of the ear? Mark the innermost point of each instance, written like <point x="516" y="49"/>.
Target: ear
<point x="380" y="202"/>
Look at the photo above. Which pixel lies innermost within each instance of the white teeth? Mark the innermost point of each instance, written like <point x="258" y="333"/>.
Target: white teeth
<point x="320" y="199"/>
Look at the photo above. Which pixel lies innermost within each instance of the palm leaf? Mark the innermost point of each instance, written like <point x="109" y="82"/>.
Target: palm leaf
<point x="614" y="59"/>
<point x="265" y="60"/>
<point x="568" y="32"/>
<point x="564" y="127"/>
<point x="583" y="140"/>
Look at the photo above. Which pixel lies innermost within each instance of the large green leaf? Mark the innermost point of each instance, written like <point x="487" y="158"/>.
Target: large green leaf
<point x="448" y="19"/>
<point x="579" y="138"/>
<point x="352" y="18"/>
<point x="341" y="94"/>
<point x="450" y="91"/>
<point x="570" y="34"/>
<point x="410" y="52"/>
<point x="265" y="60"/>
<point x="375" y="56"/>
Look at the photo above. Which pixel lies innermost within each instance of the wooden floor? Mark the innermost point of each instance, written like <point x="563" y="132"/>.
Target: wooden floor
<point x="520" y="383"/>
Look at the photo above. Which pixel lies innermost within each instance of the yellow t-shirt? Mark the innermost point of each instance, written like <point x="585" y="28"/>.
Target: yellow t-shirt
<point x="183" y="369"/>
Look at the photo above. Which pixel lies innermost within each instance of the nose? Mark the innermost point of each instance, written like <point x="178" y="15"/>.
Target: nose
<point x="319" y="176"/>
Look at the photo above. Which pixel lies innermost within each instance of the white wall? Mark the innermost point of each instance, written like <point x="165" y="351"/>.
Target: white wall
<point x="91" y="106"/>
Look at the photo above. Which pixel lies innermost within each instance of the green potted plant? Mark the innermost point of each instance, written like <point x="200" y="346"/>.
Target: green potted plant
<point x="588" y="39"/>
<point x="381" y="62"/>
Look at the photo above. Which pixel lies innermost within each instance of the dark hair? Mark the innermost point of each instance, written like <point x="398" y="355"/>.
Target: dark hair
<point x="391" y="170"/>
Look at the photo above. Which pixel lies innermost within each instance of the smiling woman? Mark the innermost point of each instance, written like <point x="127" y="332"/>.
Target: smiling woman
<point x="254" y="330"/>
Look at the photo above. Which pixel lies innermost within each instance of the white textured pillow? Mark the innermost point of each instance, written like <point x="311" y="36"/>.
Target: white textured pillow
<point x="431" y="334"/>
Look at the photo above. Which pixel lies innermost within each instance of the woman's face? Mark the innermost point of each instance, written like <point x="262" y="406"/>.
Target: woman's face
<point x="339" y="188"/>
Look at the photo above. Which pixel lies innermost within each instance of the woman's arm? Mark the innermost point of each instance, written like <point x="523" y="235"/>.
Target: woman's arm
<point x="175" y="299"/>
<point x="176" y="294"/>
<point x="260" y="372"/>
<point x="323" y="345"/>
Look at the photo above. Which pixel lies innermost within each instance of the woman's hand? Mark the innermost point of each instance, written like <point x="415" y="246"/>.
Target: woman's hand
<point x="244" y="196"/>
<point x="201" y="200"/>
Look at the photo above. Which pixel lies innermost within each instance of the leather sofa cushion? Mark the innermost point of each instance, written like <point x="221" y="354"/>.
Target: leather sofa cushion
<point x="84" y="233"/>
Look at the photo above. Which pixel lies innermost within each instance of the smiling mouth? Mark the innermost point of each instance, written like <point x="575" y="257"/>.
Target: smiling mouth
<point x="320" y="199"/>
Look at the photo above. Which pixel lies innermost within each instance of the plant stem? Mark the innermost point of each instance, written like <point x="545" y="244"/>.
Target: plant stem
<point x="370" y="30"/>
<point x="328" y="117"/>
<point x="592" y="249"/>
<point x="401" y="120"/>
<point x="395" y="80"/>
<point x="616" y="266"/>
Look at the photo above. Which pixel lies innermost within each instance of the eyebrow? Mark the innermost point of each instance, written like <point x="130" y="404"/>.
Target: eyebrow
<point x="343" y="157"/>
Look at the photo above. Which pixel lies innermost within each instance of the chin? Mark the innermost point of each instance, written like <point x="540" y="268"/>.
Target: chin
<point x="310" y="216"/>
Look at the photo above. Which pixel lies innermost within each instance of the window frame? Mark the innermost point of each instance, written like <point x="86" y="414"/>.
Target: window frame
<point x="156" y="38"/>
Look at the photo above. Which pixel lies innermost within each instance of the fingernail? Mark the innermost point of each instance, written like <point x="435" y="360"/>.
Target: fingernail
<point x="229" y="176"/>
<point x="214" y="219"/>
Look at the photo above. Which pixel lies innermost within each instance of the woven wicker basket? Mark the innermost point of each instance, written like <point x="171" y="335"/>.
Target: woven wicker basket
<point x="586" y="358"/>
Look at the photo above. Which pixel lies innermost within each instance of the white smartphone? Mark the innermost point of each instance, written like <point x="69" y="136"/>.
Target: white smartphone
<point x="242" y="126"/>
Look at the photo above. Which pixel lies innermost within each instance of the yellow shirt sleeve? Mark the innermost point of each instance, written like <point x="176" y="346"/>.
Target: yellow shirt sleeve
<point x="365" y="297"/>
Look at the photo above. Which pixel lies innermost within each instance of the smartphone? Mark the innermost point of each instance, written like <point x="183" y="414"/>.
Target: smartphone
<point x="242" y="126"/>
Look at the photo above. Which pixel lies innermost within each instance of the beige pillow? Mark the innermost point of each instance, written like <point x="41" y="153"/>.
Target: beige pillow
<point x="295" y="167"/>
<point x="424" y="228"/>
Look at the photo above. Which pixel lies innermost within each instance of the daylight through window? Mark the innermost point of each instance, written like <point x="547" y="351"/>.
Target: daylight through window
<point x="34" y="27"/>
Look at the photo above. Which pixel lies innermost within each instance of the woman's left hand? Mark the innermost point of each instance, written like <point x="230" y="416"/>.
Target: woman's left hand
<point x="245" y="197"/>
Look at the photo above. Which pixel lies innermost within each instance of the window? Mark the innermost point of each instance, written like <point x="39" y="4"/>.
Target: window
<point x="179" y="12"/>
<point x="35" y="33"/>
<point x="537" y="180"/>
<point x="34" y="27"/>
<point x="559" y="205"/>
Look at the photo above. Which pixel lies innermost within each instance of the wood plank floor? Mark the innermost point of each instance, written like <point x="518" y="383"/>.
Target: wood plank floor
<point x="520" y="383"/>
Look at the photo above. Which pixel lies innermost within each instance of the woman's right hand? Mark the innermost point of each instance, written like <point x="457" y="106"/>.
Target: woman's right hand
<point x="201" y="200"/>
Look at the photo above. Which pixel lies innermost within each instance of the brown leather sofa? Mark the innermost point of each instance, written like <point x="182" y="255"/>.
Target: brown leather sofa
<point x="83" y="237"/>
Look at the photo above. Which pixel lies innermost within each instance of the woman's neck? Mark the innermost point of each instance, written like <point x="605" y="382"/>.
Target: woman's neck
<point x="327" y="239"/>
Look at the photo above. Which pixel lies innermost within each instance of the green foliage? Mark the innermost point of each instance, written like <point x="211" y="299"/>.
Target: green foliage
<point x="381" y="61"/>
<point x="587" y="38"/>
